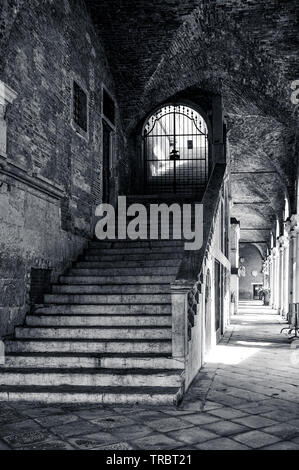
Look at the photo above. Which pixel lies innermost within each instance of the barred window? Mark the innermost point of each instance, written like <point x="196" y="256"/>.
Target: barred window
<point x="80" y="106"/>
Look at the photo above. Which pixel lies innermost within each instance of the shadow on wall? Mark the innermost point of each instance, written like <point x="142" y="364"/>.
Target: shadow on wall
<point x="251" y="276"/>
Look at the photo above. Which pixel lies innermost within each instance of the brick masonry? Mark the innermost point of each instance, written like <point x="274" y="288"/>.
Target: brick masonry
<point x="47" y="44"/>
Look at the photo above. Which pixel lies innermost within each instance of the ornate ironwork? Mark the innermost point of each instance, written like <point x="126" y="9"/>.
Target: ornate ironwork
<point x="176" y="151"/>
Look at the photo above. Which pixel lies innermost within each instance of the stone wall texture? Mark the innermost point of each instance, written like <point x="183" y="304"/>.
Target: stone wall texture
<point x="46" y="44"/>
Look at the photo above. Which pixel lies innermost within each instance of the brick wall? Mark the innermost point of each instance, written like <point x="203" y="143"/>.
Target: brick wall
<point x="46" y="45"/>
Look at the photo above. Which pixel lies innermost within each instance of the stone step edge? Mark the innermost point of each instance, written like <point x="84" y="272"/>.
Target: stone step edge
<point x="91" y="371"/>
<point x="91" y="340"/>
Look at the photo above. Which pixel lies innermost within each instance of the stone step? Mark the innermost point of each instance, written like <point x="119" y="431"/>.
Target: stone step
<point x="118" y="280"/>
<point x="105" y="332"/>
<point x="118" y="309"/>
<point x="107" y="299"/>
<point x="98" y="320"/>
<point x="64" y="360"/>
<point x="144" y="250"/>
<point x="89" y="346"/>
<point x="95" y="264"/>
<point x="117" y="271"/>
<point x="134" y="243"/>
<point x="174" y="255"/>
<point x="90" y="377"/>
<point x="98" y="395"/>
<point x="111" y="289"/>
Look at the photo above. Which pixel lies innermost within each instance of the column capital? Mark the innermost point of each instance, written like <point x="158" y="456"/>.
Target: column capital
<point x="283" y="242"/>
<point x="294" y="223"/>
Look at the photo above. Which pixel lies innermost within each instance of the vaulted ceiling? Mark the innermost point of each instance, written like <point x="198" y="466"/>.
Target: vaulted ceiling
<point x="245" y="50"/>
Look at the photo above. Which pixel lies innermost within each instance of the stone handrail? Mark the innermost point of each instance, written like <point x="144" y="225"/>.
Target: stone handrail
<point x="185" y="290"/>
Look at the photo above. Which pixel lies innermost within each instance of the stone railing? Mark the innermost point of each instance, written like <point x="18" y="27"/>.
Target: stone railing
<point x="186" y="290"/>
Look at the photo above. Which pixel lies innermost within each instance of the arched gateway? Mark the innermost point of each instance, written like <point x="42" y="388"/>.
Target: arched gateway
<point x="175" y="144"/>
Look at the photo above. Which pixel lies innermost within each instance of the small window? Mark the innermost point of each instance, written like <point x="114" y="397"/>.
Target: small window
<point x="108" y="107"/>
<point x="80" y="107"/>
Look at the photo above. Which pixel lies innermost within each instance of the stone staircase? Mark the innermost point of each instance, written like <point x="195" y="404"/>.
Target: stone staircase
<point x="104" y="333"/>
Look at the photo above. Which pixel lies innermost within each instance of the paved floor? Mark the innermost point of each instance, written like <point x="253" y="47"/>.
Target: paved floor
<point x="246" y="397"/>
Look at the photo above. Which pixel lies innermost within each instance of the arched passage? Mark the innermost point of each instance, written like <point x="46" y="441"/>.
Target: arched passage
<point x="175" y="151"/>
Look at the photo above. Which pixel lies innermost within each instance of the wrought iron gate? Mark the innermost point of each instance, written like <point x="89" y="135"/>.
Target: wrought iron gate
<point x="175" y="151"/>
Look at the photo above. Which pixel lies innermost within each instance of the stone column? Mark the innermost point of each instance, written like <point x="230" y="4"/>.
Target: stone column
<point x="234" y="260"/>
<point x="179" y="300"/>
<point x="271" y="277"/>
<point x="275" y="277"/>
<point x="291" y="231"/>
<point x="283" y="275"/>
<point x="7" y="96"/>
<point x="280" y="275"/>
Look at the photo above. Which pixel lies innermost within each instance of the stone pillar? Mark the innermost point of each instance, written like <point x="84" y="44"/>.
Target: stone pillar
<point x="283" y="275"/>
<point x="234" y="260"/>
<point x="7" y="96"/>
<point x="280" y="275"/>
<point x="179" y="300"/>
<point x="275" y="277"/>
<point x="286" y="280"/>
<point x="290" y="229"/>
<point x="271" y="274"/>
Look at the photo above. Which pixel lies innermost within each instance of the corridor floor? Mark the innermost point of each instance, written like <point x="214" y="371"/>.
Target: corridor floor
<point x="246" y="397"/>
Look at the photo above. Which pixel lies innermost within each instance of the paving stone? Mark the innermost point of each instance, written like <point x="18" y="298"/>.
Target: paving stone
<point x="133" y="432"/>
<point x="40" y="412"/>
<point x="178" y="412"/>
<point x="20" y="439"/>
<point x="56" y="420"/>
<point x="91" y="441"/>
<point x="4" y="446"/>
<point x="280" y="415"/>
<point x="193" y="435"/>
<point x="156" y="441"/>
<point x="283" y="430"/>
<point x="225" y="428"/>
<point x="286" y="445"/>
<point x="21" y="426"/>
<point x="95" y="413"/>
<point x="168" y="424"/>
<point x="200" y="418"/>
<point x="51" y="444"/>
<point x="255" y="421"/>
<point x="222" y="443"/>
<point x="117" y="446"/>
<point x="256" y="439"/>
<point x="107" y="424"/>
<point x="210" y="405"/>
<point x="193" y="405"/>
<point x="293" y="422"/>
<point x="75" y="428"/>
<point x="144" y="415"/>
<point x="10" y="416"/>
<point x="227" y="413"/>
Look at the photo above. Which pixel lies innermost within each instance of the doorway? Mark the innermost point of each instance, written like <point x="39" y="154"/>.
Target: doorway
<point x="175" y="147"/>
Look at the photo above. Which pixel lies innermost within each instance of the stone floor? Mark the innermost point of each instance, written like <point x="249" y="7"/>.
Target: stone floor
<point x="246" y="397"/>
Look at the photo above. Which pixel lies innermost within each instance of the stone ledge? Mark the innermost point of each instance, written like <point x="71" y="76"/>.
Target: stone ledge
<point x="37" y="182"/>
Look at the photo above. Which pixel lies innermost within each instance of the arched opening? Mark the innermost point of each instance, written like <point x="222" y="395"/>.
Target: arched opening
<point x="175" y="150"/>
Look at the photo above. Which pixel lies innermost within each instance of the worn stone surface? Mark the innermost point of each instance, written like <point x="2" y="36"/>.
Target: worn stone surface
<point x="210" y="417"/>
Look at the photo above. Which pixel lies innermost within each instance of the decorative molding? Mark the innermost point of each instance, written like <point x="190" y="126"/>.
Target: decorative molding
<point x="11" y="170"/>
